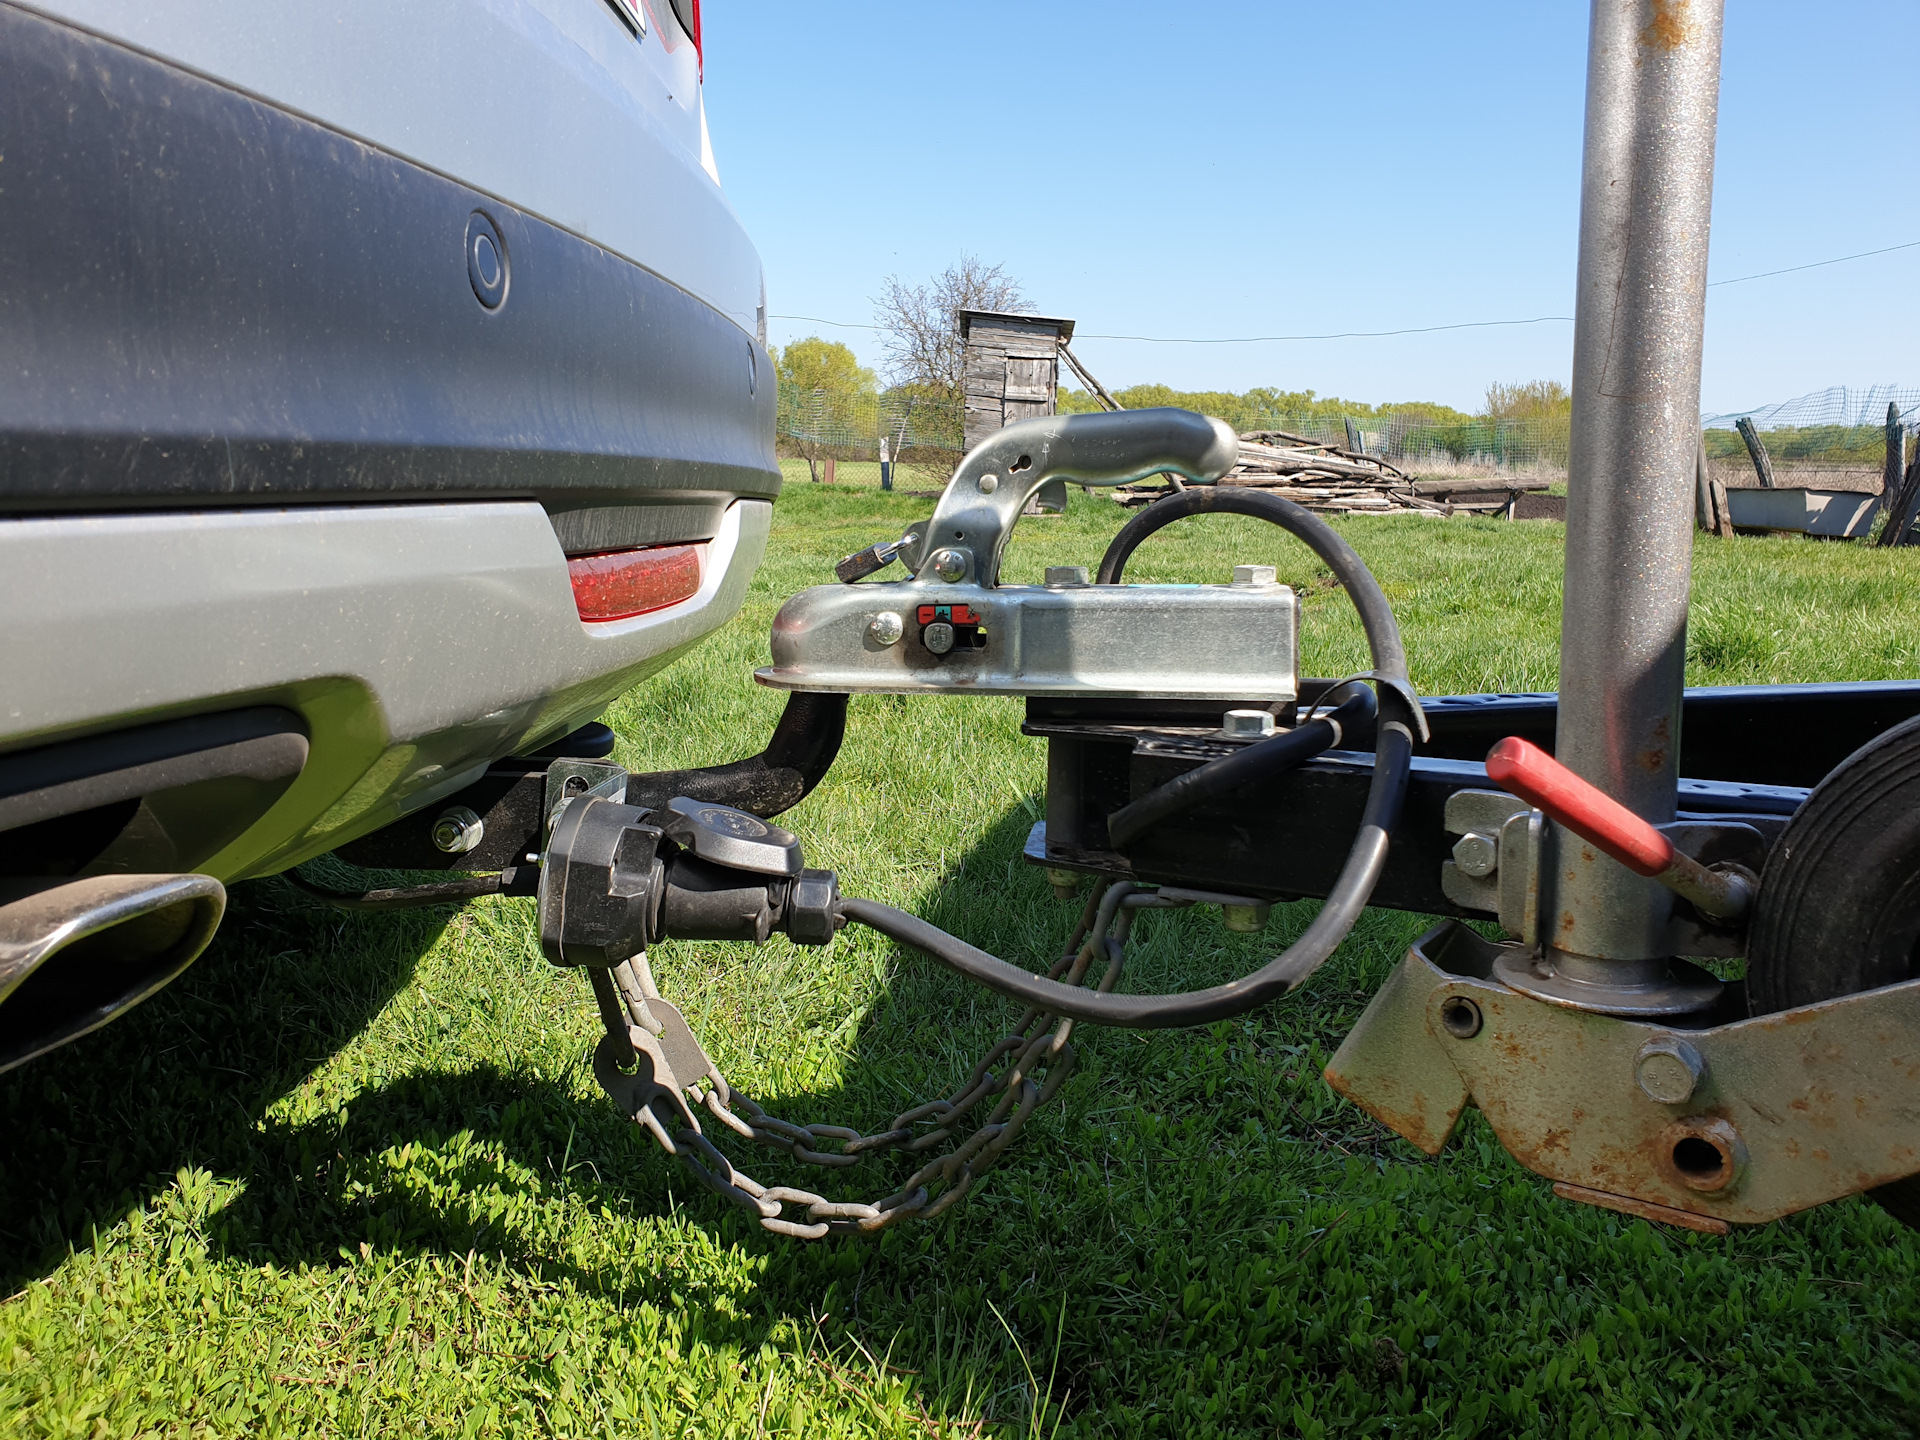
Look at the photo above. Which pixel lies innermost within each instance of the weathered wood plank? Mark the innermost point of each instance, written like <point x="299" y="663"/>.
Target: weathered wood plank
<point x="1702" y="491"/>
<point x="1722" y="516"/>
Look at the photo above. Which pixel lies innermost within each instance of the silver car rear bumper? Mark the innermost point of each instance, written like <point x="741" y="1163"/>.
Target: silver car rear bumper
<point x="418" y="642"/>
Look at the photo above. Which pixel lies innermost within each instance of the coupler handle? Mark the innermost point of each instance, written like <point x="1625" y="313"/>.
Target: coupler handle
<point x="1524" y="769"/>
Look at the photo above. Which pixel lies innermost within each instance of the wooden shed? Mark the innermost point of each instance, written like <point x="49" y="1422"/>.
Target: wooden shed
<point x="1012" y="368"/>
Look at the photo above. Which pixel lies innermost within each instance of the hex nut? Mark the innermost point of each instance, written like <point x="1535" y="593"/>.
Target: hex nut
<point x="1669" y="1069"/>
<point x="949" y="565"/>
<point x="1476" y="854"/>
<point x="1254" y="724"/>
<point x="1254" y="575"/>
<point x="810" y="907"/>
<point x="885" y="628"/>
<point x="457" y="830"/>
<point x="1066" y="575"/>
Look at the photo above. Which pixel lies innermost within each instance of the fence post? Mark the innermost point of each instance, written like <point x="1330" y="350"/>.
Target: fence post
<point x="831" y="462"/>
<point x="1703" y="515"/>
<point x="1892" y="468"/>
<point x="886" y="465"/>
<point x="1909" y="502"/>
<point x="1898" y="494"/>
<point x="1762" y="462"/>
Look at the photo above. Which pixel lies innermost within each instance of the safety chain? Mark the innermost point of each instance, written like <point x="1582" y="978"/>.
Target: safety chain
<point x="649" y="1047"/>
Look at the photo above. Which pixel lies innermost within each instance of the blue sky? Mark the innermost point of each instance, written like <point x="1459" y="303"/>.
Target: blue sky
<point x="1228" y="169"/>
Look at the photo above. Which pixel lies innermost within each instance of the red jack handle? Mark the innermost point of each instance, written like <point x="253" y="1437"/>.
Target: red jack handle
<point x="1528" y="771"/>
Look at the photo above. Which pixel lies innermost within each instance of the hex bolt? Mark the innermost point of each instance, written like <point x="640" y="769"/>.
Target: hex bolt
<point x="1460" y="1017"/>
<point x="1476" y="854"/>
<point x="458" y="830"/>
<point x="949" y="565"/>
<point x="885" y="628"/>
<point x="1066" y="574"/>
<point x="1669" y="1069"/>
<point x="1253" y="576"/>
<point x="1251" y="724"/>
<point x="1064" y="882"/>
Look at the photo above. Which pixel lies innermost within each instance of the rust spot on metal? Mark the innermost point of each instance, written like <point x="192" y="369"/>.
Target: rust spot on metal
<point x="1645" y="1209"/>
<point x="1653" y="759"/>
<point x="1787" y="1018"/>
<point x="1671" y="26"/>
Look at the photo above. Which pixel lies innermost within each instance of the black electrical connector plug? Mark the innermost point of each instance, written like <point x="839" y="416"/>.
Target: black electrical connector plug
<point x="616" y="878"/>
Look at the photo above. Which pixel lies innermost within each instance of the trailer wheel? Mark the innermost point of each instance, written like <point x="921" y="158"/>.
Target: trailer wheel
<point x="1839" y="904"/>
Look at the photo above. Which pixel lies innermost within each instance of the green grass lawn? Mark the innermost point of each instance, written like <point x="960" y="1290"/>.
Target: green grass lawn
<point x="350" y="1175"/>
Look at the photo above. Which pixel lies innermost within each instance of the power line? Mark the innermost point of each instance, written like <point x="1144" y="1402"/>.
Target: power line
<point x="816" y="320"/>
<point x="1383" y="334"/>
<point x="1340" y="335"/>
<point x="1242" y="339"/>
<point x="1815" y="265"/>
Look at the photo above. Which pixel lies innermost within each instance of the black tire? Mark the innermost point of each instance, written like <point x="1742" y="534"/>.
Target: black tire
<point x="1839" y="905"/>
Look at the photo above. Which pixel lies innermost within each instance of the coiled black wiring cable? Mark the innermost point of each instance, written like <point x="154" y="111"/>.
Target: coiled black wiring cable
<point x="1393" y="753"/>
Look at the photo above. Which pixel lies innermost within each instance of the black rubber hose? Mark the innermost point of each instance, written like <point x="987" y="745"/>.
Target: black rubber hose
<point x="1245" y="767"/>
<point x="1197" y="1007"/>
<point x="1393" y="752"/>
<point x="1376" y="616"/>
<point x="804" y="745"/>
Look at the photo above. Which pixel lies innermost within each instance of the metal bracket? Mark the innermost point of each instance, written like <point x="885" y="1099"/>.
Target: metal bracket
<point x="573" y="779"/>
<point x="1496" y="868"/>
<point x="1738" y="1123"/>
<point x="1496" y="862"/>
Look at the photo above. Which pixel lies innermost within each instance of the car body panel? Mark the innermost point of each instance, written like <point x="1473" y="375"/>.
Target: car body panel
<point x="204" y="296"/>
<point x="418" y="642"/>
<point x="271" y="440"/>
<point x="550" y="105"/>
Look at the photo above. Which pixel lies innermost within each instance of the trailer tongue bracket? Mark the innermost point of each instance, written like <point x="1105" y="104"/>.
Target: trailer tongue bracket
<point x="1733" y="1120"/>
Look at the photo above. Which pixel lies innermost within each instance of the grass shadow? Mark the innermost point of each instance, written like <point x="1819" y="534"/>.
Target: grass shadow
<point x="184" y="1080"/>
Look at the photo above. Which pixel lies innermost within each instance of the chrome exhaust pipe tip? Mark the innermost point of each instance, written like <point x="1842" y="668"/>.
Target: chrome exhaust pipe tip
<point x="77" y="955"/>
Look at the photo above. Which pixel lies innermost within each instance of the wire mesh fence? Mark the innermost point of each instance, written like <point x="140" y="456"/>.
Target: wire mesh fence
<point x="1832" y="438"/>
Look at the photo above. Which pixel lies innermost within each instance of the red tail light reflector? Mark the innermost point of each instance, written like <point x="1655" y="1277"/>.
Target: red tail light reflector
<point x="620" y="584"/>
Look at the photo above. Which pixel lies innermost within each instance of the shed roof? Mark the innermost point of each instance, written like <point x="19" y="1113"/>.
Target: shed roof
<point x="1064" y="328"/>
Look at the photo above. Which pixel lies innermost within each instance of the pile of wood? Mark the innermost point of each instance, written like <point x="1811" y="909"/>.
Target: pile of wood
<point x="1331" y="480"/>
